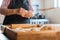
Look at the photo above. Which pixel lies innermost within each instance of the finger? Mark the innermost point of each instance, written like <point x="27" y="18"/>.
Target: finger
<point x="31" y="13"/>
<point x="27" y="15"/>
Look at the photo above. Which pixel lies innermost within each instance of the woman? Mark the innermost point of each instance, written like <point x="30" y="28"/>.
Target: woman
<point x="16" y="11"/>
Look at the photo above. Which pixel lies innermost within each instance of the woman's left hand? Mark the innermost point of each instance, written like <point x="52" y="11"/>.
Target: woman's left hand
<point x="29" y="14"/>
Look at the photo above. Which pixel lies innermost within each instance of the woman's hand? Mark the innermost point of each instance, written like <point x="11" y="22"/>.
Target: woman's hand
<point x="29" y="14"/>
<point x="24" y="13"/>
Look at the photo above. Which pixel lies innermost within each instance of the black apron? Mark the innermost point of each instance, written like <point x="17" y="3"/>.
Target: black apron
<point x="17" y="19"/>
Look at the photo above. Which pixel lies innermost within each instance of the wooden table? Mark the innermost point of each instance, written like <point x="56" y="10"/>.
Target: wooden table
<point x="2" y="36"/>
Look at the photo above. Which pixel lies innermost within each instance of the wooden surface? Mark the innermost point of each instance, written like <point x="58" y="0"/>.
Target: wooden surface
<point x="2" y="36"/>
<point x="51" y="34"/>
<point x="47" y="34"/>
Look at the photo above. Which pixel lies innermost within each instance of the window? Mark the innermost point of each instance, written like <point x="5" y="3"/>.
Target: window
<point x="57" y="3"/>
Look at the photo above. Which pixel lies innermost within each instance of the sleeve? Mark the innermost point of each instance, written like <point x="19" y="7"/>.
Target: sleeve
<point x="31" y="8"/>
<point x="5" y="3"/>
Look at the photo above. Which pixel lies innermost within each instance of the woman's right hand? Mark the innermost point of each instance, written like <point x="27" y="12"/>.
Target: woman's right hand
<point x="22" y="12"/>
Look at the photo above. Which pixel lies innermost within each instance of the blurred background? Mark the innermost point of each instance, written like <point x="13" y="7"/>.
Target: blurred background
<point x="45" y="11"/>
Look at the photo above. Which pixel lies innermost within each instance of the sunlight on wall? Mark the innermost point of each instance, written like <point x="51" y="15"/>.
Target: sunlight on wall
<point x="57" y="3"/>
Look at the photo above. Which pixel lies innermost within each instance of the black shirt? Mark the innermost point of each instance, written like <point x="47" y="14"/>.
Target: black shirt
<point x="16" y="19"/>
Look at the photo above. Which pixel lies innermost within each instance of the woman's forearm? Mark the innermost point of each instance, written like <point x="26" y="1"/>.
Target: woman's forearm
<point x="6" y="11"/>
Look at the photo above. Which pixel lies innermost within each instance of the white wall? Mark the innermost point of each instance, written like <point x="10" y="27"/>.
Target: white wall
<point x="54" y="14"/>
<point x="1" y="2"/>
